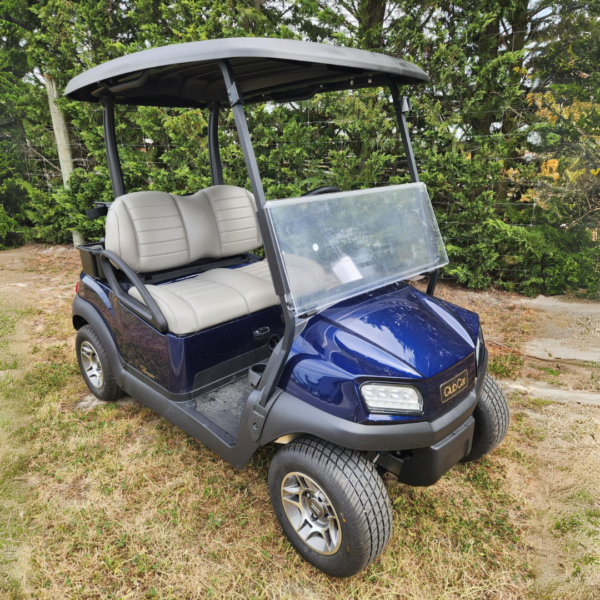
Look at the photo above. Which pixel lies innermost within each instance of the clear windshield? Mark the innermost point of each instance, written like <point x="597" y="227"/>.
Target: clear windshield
<point x="336" y="246"/>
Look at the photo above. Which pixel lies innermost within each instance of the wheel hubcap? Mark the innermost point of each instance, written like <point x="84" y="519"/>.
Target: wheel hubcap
<point x="311" y="513"/>
<point x="92" y="365"/>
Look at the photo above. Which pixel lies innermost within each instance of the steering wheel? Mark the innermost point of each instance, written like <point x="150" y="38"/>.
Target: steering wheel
<point x="324" y="189"/>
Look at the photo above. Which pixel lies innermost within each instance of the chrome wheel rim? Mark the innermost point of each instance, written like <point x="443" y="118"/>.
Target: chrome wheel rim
<point x="311" y="513"/>
<point x="92" y="365"/>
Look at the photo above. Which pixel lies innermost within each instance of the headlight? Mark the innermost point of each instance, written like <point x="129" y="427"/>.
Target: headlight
<point x="479" y="348"/>
<point x="391" y="398"/>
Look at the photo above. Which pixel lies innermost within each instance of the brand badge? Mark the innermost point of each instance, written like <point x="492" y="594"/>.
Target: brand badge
<point x="455" y="386"/>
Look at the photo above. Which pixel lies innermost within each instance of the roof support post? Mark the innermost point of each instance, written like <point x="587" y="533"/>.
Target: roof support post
<point x="112" y="153"/>
<point x="236" y="101"/>
<point x="216" y="168"/>
<point x="276" y="364"/>
<point x="402" y="106"/>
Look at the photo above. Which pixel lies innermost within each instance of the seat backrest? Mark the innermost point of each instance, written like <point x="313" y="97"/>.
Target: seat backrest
<point x="154" y="231"/>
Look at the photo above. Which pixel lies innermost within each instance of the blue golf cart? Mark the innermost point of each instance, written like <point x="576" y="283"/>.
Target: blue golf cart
<point x="322" y="347"/>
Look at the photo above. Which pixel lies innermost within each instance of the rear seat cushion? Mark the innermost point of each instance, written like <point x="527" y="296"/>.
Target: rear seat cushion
<point x="146" y="230"/>
<point x="234" y="211"/>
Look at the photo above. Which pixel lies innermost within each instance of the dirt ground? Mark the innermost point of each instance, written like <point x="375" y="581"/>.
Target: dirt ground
<point x="110" y="501"/>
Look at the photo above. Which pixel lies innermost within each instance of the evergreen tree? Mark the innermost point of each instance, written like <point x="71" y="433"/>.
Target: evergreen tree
<point x="506" y="134"/>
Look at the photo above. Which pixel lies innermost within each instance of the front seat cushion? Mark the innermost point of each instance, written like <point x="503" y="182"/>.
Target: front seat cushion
<point x="306" y="277"/>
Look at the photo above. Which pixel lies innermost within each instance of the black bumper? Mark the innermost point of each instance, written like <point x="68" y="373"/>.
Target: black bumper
<point x="425" y="466"/>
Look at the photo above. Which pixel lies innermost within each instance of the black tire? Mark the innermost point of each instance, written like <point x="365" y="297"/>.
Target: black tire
<point x="355" y="491"/>
<point x="491" y="420"/>
<point x="107" y="389"/>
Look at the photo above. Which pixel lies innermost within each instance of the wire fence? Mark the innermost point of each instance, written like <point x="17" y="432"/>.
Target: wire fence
<point x="148" y="151"/>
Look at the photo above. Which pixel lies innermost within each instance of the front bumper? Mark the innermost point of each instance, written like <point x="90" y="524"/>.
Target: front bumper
<point x="289" y="415"/>
<point x="425" y="466"/>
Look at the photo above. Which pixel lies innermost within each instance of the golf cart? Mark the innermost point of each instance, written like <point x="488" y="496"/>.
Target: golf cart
<point x="322" y="347"/>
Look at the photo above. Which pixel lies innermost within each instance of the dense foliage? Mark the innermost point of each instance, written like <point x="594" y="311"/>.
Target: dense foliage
<point x="506" y="135"/>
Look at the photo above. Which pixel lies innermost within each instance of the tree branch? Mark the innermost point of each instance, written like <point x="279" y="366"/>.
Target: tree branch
<point x="582" y="217"/>
<point x="32" y="149"/>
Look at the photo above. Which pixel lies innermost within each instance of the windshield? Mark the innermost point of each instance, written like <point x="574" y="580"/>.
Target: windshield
<point x="336" y="246"/>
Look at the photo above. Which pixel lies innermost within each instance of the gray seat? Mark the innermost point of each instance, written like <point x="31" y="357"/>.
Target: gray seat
<point x="305" y="275"/>
<point x="155" y="231"/>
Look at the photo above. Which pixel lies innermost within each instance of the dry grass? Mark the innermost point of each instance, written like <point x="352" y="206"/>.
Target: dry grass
<point x="506" y="320"/>
<point x="122" y="504"/>
<point x="556" y="468"/>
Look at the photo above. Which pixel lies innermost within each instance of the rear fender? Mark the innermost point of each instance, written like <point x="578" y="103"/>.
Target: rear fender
<point x="86" y="311"/>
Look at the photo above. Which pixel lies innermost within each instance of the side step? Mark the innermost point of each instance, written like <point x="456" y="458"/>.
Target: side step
<point x="225" y="406"/>
<point x="237" y="450"/>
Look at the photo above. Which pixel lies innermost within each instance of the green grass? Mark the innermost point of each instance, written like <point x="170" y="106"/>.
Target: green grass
<point x="14" y="463"/>
<point x="567" y="524"/>
<point x="506" y="366"/>
<point x="8" y="365"/>
<point x="45" y="378"/>
<point x="553" y="372"/>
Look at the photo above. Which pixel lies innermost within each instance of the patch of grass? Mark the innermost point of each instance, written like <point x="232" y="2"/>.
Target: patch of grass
<point x="567" y="524"/>
<point x="592" y="516"/>
<point x="582" y="496"/>
<point x="44" y="378"/>
<point x="585" y="561"/>
<point x="8" y="365"/>
<point x="548" y="370"/>
<point x="525" y="401"/>
<point x="9" y="318"/>
<point x="8" y="321"/>
<point x="11" y="587"/>
<point x="553" y="372"/>
<point x="528" y="432"/>
<point x="507" y="365"/>
<point x="14" y="461"/>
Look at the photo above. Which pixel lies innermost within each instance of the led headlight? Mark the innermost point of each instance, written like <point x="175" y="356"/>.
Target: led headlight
<point x="391" y="398"/>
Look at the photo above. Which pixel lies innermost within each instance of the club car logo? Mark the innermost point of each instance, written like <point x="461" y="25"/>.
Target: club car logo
<point x="454" y="386"/>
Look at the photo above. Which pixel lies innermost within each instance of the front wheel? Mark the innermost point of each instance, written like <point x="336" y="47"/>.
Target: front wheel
<point x="491" y="420"/>
<point x="331" y="503"/>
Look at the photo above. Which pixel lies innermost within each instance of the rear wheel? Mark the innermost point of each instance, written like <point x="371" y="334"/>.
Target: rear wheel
<point x="95" y="366"/>
<point x="491" y="420"/>
<point x="332" y="505"/>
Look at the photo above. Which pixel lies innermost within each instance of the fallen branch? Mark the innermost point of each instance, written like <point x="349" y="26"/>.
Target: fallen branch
<point x="550" y="360"/>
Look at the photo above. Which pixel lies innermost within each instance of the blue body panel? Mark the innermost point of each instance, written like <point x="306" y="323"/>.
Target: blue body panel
<point x="170" y="361"/>
<point x="394" y="334"/>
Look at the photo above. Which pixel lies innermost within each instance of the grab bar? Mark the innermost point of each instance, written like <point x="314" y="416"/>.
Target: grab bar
<point x="149" y="311"/>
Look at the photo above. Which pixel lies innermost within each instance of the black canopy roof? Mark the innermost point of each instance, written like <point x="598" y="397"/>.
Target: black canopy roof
<point x="187" y="75"/>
